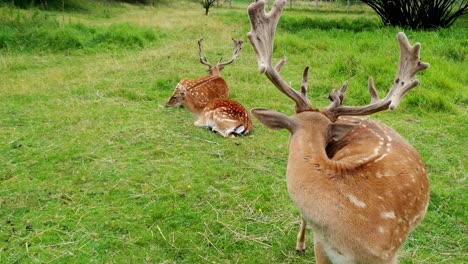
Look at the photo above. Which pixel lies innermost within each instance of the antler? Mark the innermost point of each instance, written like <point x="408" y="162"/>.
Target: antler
<point x="202" y="58"/>
<point x="237" y="49"/>
<point x="261" y="36"/>
<point x="410" y="64"/>
<point x="219" y="66"/>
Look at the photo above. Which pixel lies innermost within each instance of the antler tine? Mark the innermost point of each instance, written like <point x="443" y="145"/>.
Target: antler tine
<point x="202" y="58"/>
<point x="337" y="96"/>
<point x="261" y="36"/>
<point x="409" y="65"/>
<point x="372" y="91"/>
<point x="280" y="64"/>
<point x="235" y="54"/>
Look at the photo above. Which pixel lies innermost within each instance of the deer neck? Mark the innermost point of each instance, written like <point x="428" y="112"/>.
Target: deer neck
<point x="308" y="157"/>
<point x="307" y="148"/>
<point x="194" y="107"/>
<point x="214" y="71"/>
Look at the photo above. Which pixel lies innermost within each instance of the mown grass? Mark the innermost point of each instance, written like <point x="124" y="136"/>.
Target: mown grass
<point x="94" y="170"/>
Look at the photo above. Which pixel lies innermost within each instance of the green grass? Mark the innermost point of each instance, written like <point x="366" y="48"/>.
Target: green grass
<point x="94" y="170"/>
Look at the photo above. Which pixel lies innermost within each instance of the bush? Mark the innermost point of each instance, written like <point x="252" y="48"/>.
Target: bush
<point x="419" y="14"/>
<point x="47" y="4"/>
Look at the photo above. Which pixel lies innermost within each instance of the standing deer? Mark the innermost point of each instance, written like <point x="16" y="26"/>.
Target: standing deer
<point x="357" y="182"/>
<point x="206" y="98"/>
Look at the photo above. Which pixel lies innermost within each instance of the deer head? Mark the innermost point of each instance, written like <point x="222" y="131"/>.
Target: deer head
<point x="215" y="70"/>
<point x="360" y="185"/>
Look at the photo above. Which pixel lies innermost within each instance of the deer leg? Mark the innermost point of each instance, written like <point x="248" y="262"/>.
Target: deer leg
<point x="300" y="244"/>
<point x="200" y="122"/>
<point x="320" y="255"/>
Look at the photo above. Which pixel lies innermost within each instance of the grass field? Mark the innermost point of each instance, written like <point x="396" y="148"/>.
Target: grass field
<point x="93" y="168"/>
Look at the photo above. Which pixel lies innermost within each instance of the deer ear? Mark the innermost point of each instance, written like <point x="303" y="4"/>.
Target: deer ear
<point x="337" y="131"/>
<point x="274" y="120"/>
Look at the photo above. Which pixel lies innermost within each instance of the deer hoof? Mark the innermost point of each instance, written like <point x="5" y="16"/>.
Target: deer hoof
<point x="300" y="251"/>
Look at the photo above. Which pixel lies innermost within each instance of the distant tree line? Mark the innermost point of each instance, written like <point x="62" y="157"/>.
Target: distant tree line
<point x="69" y="4"/>
<point x="415" y="14"/>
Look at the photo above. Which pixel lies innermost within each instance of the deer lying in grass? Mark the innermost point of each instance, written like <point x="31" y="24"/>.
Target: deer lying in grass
<point x="207" y="98"/>
<point x="357" y="182"/>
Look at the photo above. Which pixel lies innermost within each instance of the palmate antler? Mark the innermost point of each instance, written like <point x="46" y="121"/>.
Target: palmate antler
<point x="261" y="36"/>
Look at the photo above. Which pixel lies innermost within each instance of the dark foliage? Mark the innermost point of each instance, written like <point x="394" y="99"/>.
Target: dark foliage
<point x="419" y="14"/>
<point x="207" y="4"/>
<point x="43" y="4"/>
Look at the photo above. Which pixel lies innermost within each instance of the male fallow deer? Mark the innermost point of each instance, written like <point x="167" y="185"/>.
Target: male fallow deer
<point x="357" y="182"/>
<point x="195" y="94"/>
<point x="207" y="98"/>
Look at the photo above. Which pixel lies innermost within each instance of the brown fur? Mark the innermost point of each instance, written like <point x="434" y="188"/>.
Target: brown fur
<point x="195" y="94"/>
<point x="224" y="116"/>
<point x="362" y="195"/>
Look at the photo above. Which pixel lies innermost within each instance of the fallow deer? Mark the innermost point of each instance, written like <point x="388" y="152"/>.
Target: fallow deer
<point x="357" y="182"/>
<point x="195" y="94"/>
<point x="207" y="98"/>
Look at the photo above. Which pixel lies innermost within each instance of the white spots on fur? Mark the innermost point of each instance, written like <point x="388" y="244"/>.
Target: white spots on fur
<point x="355" y="201"/>
<point x="415" y="219"/>
<point x="381" y="157"/>
<point x="389" y="146"/>
<point x="388" y="174"/>
<point x="388" y="215"/>
<point x="380" y="229"/>
<point x="378" y="174"/>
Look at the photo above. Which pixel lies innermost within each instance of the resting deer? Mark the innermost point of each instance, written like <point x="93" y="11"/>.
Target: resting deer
<point x="357" y="182"/>
<point x="195" y="94"/>
<point x="206" y="97"/>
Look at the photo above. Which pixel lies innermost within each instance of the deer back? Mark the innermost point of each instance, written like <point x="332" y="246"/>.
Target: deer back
<point x="363" y="192"/>
<point x="382" y="185"/>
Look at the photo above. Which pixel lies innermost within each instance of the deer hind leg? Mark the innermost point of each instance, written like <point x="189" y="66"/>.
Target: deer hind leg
<point x="205" y="120"/>
<point x="225" y="127"/>
<point x="300" y="243"/>
<point x="320" y="255"/>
